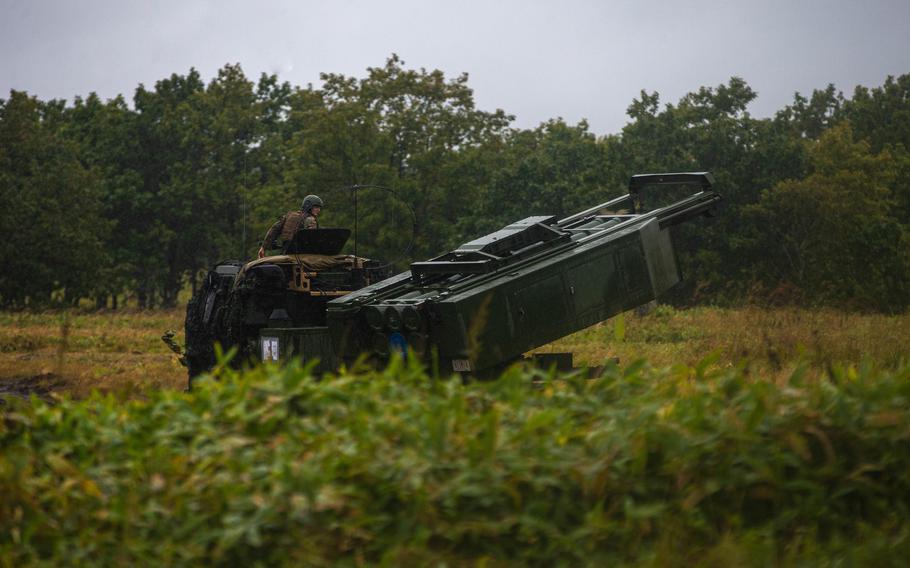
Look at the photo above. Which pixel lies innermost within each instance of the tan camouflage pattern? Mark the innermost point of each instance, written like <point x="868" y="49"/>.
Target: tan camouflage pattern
<point x="286" y="227"/>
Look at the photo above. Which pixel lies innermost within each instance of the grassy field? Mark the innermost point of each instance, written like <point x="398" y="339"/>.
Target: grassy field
<point x="122" y="352"/>
<point x="119" y="352"/>
<point x="738" y="437"/>
<point x="770" y="341"/>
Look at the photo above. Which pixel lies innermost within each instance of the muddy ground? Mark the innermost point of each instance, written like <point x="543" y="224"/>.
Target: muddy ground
<point x="42" y="386"/>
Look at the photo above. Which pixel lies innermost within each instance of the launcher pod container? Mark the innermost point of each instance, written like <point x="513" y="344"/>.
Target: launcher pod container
<point x="483" y="305"/>
<point x="473" y="310"/>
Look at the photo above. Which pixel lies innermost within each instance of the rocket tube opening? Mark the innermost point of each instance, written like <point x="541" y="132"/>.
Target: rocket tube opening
<point x="374" y="317"/>
<point x="392" y="318"/>
<point x="411" y="318"/>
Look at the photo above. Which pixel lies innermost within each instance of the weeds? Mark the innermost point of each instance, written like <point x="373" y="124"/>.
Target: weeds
<point x="771" y="341"/>
<point x="687" y="464"/>
<point x="112" y="352"/>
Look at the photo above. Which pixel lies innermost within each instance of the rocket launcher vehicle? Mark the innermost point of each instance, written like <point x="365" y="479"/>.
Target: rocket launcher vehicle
<point x="483" y="305"/>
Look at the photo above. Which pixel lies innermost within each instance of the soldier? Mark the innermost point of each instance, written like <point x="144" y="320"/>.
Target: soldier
<point x="287" y="225"/>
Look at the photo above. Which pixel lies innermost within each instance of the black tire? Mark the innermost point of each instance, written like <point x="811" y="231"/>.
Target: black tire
<point x="203" y="325"/>
<point x="200" y="352"/>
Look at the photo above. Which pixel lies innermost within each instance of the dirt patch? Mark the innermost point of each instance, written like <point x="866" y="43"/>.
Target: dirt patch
<point x="42" y="386"/>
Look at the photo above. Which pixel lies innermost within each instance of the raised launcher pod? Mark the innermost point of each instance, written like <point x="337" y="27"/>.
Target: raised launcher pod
<point x="484" y="304"/>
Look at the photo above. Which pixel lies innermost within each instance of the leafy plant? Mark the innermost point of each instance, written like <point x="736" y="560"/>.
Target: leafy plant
<point x="638" y="466"/>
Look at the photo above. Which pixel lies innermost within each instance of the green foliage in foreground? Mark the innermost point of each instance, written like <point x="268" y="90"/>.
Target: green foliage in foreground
<point x="640" y="466"/>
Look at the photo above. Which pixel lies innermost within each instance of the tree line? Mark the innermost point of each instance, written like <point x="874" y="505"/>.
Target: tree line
<point x="109" y="201"/>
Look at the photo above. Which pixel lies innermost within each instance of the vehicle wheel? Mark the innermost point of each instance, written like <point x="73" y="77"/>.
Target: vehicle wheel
<point x="200" y="353"/>
<point x="237" y="334"/>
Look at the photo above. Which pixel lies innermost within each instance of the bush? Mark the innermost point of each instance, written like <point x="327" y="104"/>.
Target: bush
<point x="639" y="466"/>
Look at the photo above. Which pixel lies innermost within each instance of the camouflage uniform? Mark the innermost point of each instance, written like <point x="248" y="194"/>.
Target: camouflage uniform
<point x="286" y="227"/>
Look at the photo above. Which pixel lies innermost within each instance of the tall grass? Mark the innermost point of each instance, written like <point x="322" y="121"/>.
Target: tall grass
<point x="109" y="351"/>
<point x="770" y="341"/>
<point x="123" y="352"/>
<point x="685" y="464"/>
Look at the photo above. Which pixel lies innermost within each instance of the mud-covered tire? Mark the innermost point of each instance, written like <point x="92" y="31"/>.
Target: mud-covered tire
<point x="203" y="325"/>
<point x="200" y="351"/>
<point x="238" y="334"/>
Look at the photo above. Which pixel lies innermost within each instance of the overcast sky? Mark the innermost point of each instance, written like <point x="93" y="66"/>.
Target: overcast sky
<point x="537" y="60"/>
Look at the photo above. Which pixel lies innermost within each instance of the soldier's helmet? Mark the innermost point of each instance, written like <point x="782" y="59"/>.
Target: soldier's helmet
<point x="309" y="202"/>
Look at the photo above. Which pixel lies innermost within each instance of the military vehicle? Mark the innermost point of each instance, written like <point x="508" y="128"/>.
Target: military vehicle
<point x="290" y="289"/>
<point x="472" y="310"/>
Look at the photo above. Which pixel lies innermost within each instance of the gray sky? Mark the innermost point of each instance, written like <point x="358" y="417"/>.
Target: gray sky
<point x="537" y="60"/>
